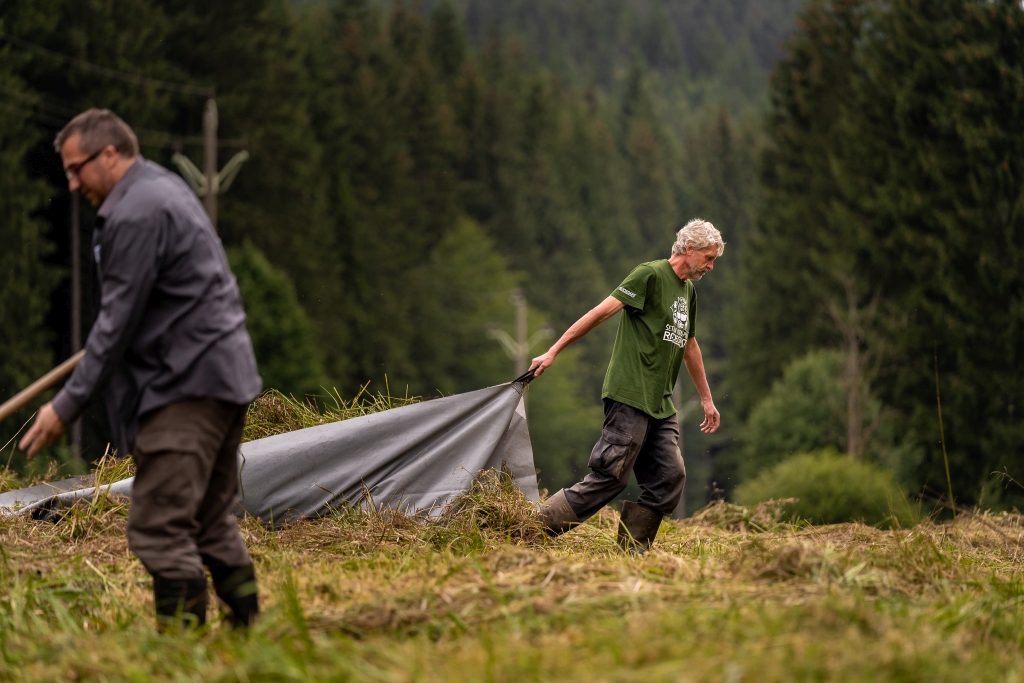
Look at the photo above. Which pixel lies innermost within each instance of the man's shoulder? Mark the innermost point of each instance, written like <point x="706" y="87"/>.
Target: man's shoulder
<point x="647" y="268"/>
<point x="155" y="189"/>
<point x="653" y="265"/>
<point x="155" y="181"/>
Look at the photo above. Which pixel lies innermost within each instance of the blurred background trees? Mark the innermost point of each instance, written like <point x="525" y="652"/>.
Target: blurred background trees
<point x="413" y="163"/>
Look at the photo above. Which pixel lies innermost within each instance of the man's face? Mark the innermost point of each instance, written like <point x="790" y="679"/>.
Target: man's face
<point x="88" y="174"/>
<point x="700" y="261"/>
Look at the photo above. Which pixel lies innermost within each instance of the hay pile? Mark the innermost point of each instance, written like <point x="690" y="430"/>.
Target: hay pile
<point x="274" y="413"/>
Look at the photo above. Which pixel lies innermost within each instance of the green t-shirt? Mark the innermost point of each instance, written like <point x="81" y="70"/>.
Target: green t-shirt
<point x="658" y="319"/>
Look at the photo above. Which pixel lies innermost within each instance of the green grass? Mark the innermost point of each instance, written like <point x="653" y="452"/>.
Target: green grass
<point x="480" y="595"/>
<point x="734" y="594"/>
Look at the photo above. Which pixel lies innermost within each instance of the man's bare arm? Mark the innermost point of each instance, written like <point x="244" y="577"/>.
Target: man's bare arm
<point x="589" y="321"/>
<point x="695" y="366"/>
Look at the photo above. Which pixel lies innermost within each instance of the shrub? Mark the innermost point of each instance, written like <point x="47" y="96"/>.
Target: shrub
<point x="802" y="413"/>
<point x="830" y="488"/>
<point x="282" y="337"/>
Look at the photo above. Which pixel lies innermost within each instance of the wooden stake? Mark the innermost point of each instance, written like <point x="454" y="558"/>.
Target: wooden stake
<point x="27" y="395"/>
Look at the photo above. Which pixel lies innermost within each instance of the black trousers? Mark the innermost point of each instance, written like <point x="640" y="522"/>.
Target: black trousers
<point x="186" y="488"/>
<point x="632" y="441"/>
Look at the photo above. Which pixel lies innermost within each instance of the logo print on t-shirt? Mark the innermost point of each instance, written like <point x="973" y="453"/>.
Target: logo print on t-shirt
<point x="677" y="331"/>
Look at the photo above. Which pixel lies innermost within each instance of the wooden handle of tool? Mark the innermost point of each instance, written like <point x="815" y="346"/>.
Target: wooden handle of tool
<point x="32" y="391"/>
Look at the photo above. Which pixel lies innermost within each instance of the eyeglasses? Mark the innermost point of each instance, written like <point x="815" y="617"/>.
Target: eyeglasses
<point x="71" y="171"/>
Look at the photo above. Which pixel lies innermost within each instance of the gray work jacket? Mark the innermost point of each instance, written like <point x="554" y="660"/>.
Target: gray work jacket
<point x="170" y="323"/>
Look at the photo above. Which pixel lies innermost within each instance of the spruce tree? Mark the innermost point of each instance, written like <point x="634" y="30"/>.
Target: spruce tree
<point x="26" y="281"/>
<point x="889" y="228"/>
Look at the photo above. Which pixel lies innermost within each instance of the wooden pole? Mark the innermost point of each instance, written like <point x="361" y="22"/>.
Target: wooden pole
<point x="76" y="307"/>
<point x="34" y="390"/>
<point x="210" y="158"/>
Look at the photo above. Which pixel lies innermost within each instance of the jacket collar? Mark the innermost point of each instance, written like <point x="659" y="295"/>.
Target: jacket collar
<point x="121" y="189"/>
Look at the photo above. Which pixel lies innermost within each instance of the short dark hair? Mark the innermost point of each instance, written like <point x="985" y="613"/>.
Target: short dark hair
<point x="99" y="128"/>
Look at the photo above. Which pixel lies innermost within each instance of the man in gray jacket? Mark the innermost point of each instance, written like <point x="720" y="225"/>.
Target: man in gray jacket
<point x="170" y="355"/>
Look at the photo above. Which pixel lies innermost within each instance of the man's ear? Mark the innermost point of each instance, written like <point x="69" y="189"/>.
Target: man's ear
<point x="109" y="155"/>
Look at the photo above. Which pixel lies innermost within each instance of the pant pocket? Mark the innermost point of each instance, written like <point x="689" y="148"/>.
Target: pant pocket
<point x="611" y="453"/>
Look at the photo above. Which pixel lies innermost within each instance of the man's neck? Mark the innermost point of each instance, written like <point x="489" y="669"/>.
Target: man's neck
<point x="115" y="175"/>
<point x="120" y="168"/>
<point x="678" y="263"/>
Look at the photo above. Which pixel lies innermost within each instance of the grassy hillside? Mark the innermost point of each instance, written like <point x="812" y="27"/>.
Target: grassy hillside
<point x="730" y="595"/>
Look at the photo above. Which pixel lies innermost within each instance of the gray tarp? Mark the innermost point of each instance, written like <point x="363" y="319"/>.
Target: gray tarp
<point x="416" y="458"/>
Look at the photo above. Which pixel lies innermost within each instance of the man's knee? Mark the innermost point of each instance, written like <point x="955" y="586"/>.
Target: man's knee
<point x="675" y="481"/>
<point x="222" y="544"/>
<point x="594" y="492"/>
<point x="678" y="474"/>
<point x="165" y="553"/>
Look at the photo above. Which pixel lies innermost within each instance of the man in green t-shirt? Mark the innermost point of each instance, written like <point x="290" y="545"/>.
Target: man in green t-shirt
<point x="641" y="433"/>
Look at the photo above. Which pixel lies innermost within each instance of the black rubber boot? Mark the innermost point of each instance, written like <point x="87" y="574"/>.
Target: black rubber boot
<point x="236" y="588"/>
<point x="556" y="515"/>
<point x="638" y="525"/>
<point x="180" y="601"/>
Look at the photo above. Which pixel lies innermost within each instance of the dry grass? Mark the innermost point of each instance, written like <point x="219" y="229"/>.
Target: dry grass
<point x="11" y="480"/>
<point x="274" y="413"/>
<point x="479" y="593"/>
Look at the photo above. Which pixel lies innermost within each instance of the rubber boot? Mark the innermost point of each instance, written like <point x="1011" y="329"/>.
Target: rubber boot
<point x="236" y="588"/>
<point x="180" y="602"/>
<point x="556" y="515"/>
<point x="638" y="525"/>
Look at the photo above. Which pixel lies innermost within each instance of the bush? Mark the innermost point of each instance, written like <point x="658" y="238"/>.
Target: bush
<point x="805" y="411"/>
<point x="282" y="337"/>
<point x="802" y="413"/>
<point x="830" y="489"/>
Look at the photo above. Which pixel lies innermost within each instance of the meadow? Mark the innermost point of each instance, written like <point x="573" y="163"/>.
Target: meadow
<point x="481" y="594"/>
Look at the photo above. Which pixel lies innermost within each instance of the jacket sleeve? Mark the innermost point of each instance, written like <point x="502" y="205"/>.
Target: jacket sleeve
<point x="129" y="264"/>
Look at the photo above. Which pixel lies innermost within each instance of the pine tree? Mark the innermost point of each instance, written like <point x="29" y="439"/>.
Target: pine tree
<point x="26" y="281"/>
<point x="781" y="305"/>
<point x="934" y="165"/>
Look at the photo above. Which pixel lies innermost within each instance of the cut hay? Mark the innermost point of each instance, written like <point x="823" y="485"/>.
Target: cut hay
<point x="274" y="413"/>
<point x="766" y="516"/>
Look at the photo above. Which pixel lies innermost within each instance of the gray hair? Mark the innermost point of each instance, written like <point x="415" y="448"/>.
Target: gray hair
<point x="99" y="128"/>
<point x="701" y="234"/>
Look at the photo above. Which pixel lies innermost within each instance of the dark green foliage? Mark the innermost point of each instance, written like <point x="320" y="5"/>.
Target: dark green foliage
<point x="947" y="203"/>
<point x="286" y="349"/>
<point x="564" y="423"/>
<point x="447" y="40"/>
<point x="25" y="278"/>
<point x="830" y="489"/>
<point x="893" y="192"/>
<point x="783" y="288"/>
<point x="806" y="410"/>
<point x="802" y="413"/>
<point x="701" y="50"/>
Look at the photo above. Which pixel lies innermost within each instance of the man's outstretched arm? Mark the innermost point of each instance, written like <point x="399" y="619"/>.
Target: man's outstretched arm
<point x="695" y="366"/>
<point x="589" y="321"/>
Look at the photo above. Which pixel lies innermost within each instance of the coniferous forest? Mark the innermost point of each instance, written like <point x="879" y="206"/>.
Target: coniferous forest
<point x="412" y="165"/>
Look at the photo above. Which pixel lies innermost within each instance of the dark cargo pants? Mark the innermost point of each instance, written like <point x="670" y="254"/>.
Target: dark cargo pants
<point x="632" y="441"/>
<point x="186" y="489"/>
